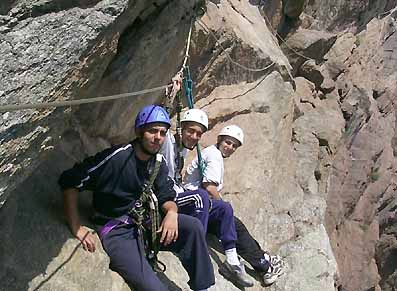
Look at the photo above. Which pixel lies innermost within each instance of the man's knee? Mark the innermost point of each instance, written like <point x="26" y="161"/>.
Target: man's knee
<point x="205" y="198"/>
<point x="228" y="209"/>
<point x="191" y="224"/>
<point x="138" y="276"/>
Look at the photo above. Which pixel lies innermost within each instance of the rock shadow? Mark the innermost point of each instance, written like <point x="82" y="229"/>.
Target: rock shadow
<point x="32" y="227"/>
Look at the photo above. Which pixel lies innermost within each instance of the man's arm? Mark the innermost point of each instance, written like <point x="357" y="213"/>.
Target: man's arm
<point x="73" y="218"/>
<point x="212" y="190"/>
<point x="169" y="225"/>
<point x="170" y="206"/>
<point x="163" y="188"/>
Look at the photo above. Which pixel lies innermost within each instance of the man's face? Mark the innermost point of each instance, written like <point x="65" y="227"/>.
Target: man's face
<point x="191" y="134"/>
<point x="152" y="137"/>
<point x="227" y="145"/>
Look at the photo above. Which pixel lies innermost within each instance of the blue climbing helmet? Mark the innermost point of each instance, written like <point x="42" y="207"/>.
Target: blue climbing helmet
<point x="152" y="114"/>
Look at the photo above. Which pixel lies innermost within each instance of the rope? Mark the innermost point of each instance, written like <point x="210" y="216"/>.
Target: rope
<point x="203" y="25"/>
<point x="188" y="85"/>
<point x="178" y="139"/>
<point x="283" y="40"/>
<point x="14" y="107"/>
<point x="187" y="46"/>
<point x="388" y="12"/>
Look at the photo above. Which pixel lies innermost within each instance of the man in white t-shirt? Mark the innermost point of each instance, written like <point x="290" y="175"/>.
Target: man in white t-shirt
<point x="229" y="139"/>
<point x="196" y="201"/>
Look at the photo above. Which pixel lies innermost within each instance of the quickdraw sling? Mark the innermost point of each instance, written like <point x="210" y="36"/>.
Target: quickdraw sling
<point x="148" y="202"/>
<point x="178" y="139"/>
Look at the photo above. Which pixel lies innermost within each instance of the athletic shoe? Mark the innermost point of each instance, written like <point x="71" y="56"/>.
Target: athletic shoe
<point x="276" y="269"/>
<point x="237" y="274"/>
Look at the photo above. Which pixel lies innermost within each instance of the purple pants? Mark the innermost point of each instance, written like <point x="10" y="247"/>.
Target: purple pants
<point x="197" y="203"/>
<point x="126" y="256"/>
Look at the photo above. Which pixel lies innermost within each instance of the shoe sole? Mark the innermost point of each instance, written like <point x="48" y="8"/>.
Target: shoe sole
<point x="278" y="276"/>
<point x="231" y="278"/>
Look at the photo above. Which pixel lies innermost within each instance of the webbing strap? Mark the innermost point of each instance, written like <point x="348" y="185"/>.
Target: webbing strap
<point x="110" y="225"/>
<point x="156" y="169"/>
<point x="150" y="197"/>
<point x="178" y="139"/>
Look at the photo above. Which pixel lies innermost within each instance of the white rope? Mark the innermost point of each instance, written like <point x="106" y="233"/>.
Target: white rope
<point x="203" y="25"/>
<point x="188" y="45"/>
<point x="283" y="40"/>
<point x="14" y="107"/>
<point x="387" y="13"/>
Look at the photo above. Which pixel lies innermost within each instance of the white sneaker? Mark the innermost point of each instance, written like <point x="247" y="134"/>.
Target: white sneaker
<point x="276" y="269"/>
<point x="275" y="260"/>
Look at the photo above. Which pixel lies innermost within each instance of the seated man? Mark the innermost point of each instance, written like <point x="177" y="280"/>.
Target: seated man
<point x="194" y="124"/>
<point x="196" y="202"/>
<point x="130" y="183"/>
<point x="229" y="139"/>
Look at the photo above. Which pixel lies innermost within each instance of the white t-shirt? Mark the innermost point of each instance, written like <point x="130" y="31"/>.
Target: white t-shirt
<point x="169" y="151"/>
<point x="213" y="169"/>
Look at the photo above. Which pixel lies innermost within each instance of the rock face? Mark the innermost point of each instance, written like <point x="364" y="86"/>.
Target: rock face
<point x="314" y="182"/>
<point x="340" y="15"/>
<point x="51" y="54"/>
<point x="307" y="44"/>
<point x="362" y="193"/>
<point x="359" y="71"/>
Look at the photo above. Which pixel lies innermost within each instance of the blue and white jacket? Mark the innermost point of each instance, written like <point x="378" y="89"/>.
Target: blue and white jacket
<point x="117" y="177"/>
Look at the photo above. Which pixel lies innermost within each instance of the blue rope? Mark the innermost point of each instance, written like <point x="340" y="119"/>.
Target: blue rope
<point x="188" y="85"/>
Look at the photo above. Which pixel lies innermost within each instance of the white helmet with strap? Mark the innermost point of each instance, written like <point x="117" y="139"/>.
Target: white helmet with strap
<point x="233" y="131"/>
<point x="196" y="115"/>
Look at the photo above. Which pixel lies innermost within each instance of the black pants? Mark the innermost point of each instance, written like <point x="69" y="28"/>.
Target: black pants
<point x="126" y="256"/>
<point x="247" y="247"/>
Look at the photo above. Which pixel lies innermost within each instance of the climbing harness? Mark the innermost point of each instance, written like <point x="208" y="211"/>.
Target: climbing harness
<point x="150" y="239"/>
<point x="145" y="215"/>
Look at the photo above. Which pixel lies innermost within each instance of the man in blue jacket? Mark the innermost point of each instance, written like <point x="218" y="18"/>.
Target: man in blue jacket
<point x="119" y="177"/>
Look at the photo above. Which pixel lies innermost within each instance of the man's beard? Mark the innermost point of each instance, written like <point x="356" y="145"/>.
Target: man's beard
<point x="146" y="151"/>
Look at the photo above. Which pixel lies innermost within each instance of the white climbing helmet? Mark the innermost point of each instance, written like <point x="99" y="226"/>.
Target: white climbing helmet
<point x="233" y="131"/>
<point x="196" y="115"/>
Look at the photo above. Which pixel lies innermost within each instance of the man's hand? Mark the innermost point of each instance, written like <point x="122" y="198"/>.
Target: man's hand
<point x="169" y="228"/>
<point x="86" y="237"/>
<point x="72" y="215"/>
<point x="212" y="190"/>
